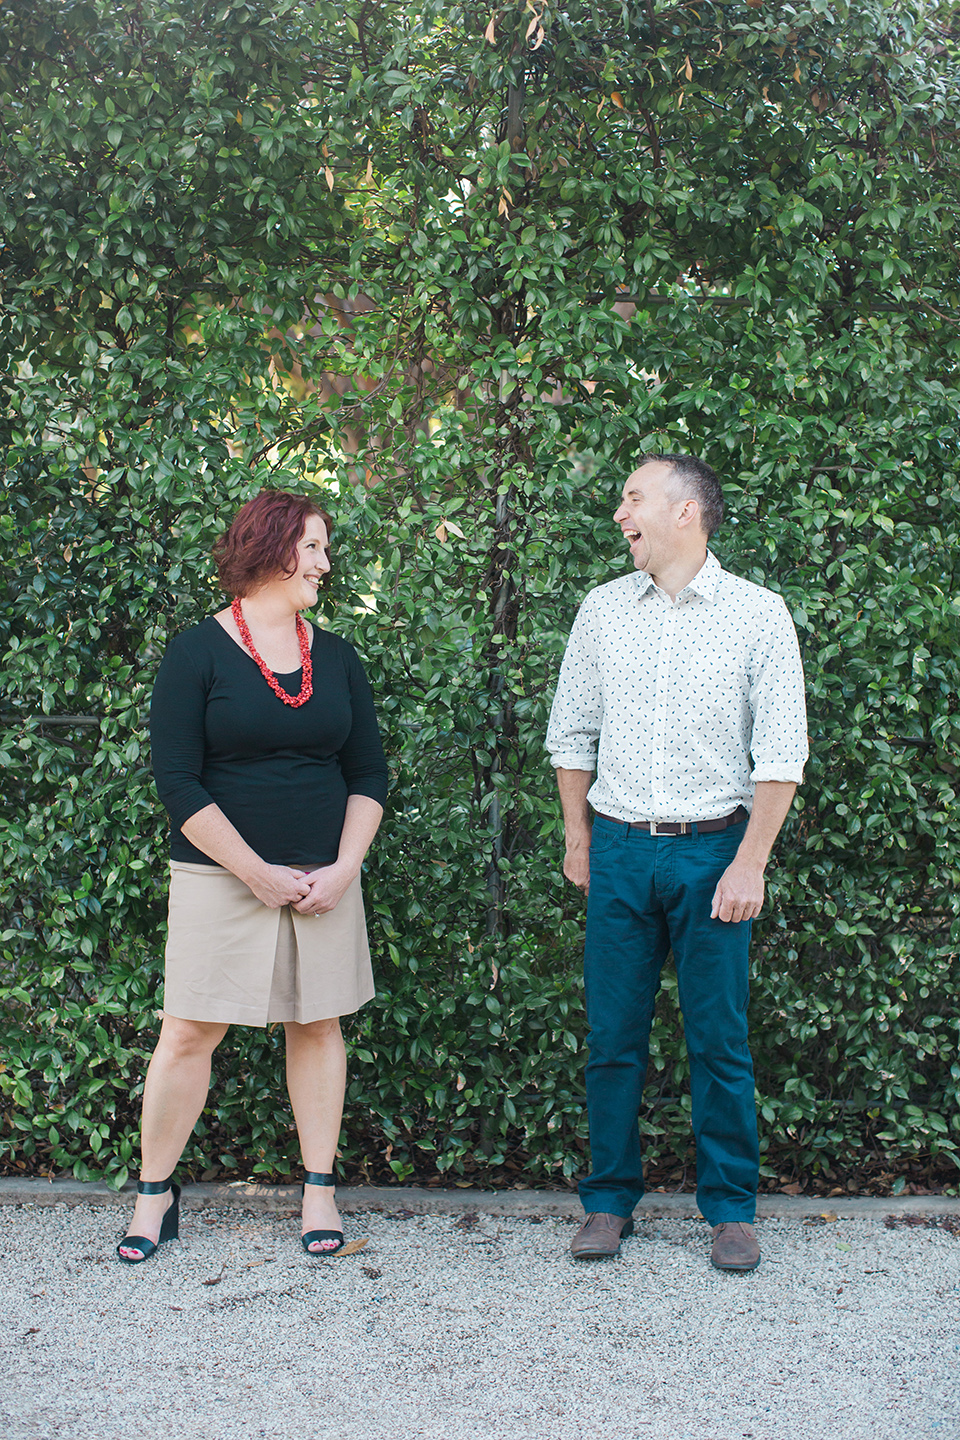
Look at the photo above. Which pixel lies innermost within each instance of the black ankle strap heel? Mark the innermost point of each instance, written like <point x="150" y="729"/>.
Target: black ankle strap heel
<point x="313" y="1237"/>
<point x="169" y="1229"/>
<point x="154" y="1187"/>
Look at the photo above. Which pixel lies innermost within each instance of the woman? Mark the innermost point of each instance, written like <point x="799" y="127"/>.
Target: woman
<point x="267" y="756"/>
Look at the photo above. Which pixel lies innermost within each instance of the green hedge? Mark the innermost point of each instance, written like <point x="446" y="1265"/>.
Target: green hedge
<point x="180" y="325"/>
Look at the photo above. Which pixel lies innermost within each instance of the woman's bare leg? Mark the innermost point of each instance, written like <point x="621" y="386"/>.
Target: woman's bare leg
<point x="316" y="1078"/>
<point x="176" y="1087"/>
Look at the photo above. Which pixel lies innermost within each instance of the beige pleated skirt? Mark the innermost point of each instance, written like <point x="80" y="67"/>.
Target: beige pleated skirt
<point x="232" y="960"/>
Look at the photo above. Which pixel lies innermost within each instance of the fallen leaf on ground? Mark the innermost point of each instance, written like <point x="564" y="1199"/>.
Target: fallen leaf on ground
<point x="267" y="1260"/>
<point x="215" y="1279"/>
<point x="352" y="1246"/>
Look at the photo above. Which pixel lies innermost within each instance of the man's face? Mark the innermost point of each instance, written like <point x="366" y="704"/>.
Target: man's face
<point x="648" y="515"/>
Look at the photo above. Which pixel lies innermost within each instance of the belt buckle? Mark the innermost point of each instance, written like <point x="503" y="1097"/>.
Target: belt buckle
<point x="684" y="827"/>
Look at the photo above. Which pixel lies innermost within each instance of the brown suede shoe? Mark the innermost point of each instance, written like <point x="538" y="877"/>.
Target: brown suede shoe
<point x="735" y="1246"/>
<point x="600" y="1235"/>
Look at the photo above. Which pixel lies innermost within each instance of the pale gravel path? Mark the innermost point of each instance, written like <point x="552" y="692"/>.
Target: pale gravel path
<point x="487" y="1331"/>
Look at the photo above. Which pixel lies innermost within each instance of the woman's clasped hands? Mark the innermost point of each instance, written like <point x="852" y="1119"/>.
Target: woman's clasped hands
<point x="278" y="885"/>
<point x="311" y="894"/>
<point x="327" y="888"/>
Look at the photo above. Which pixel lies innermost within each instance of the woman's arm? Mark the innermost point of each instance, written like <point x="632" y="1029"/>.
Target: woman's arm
<point x="328" y="885"/>
<point x="177" y="740"/>
<point x="364" y="770"/>
<point x="275" y="885"/>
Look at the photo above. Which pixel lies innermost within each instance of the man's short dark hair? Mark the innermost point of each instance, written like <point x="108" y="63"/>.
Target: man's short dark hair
<point x="700" y="482"/>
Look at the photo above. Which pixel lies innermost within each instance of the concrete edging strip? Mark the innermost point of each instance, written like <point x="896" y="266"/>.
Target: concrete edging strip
<point x="517" y="1204"/>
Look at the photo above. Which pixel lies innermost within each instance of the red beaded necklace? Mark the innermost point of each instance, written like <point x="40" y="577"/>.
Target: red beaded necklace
<point x="306" y="687"/>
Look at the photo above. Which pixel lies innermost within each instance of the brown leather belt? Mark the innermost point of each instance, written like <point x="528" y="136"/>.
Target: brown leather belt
<point x="681" y="827"/>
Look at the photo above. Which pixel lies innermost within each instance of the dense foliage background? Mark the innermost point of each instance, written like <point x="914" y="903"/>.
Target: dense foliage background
<point x="457" y="267"/>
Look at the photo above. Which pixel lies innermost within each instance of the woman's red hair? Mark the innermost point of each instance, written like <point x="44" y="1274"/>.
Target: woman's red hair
<point x="261" y="542"/>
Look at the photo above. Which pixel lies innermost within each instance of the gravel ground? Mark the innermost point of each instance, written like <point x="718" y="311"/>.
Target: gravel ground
<point x="474" y="1328"/>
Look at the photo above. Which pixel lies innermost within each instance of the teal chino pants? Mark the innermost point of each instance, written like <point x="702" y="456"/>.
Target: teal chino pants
<point x="649" y="894"/>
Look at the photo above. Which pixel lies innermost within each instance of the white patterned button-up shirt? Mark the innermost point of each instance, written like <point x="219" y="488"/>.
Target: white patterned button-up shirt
<point x="669" y="700"/>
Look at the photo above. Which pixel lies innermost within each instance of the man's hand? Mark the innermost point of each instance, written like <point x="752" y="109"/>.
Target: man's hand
<point x="739" y="893"/>
<point x="573" y="786"/>
<point x="576" y="866"/>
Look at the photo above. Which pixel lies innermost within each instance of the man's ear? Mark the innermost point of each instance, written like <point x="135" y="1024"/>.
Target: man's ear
<point x="689" y="515"/>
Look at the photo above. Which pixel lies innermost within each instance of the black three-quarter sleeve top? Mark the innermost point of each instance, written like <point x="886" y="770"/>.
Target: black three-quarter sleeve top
<point x="282" y="776"/>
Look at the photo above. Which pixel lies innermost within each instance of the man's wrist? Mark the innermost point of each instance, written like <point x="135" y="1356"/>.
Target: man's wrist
<point x="755" y="859"/>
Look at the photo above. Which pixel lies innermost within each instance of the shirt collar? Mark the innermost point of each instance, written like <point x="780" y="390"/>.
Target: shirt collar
<point x="705" y="583"/>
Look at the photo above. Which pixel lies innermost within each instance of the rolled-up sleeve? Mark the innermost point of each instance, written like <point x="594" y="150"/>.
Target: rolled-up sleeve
<point x="779" y="747"/>
<point x="577" y="712"/>
<point x="177" y="714"/>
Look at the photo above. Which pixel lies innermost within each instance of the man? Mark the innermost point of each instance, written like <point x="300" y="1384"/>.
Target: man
<point x="673" y="678"/>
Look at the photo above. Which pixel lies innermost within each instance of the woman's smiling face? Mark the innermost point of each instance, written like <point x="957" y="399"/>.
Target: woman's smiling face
<point x="312" y="564"/>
